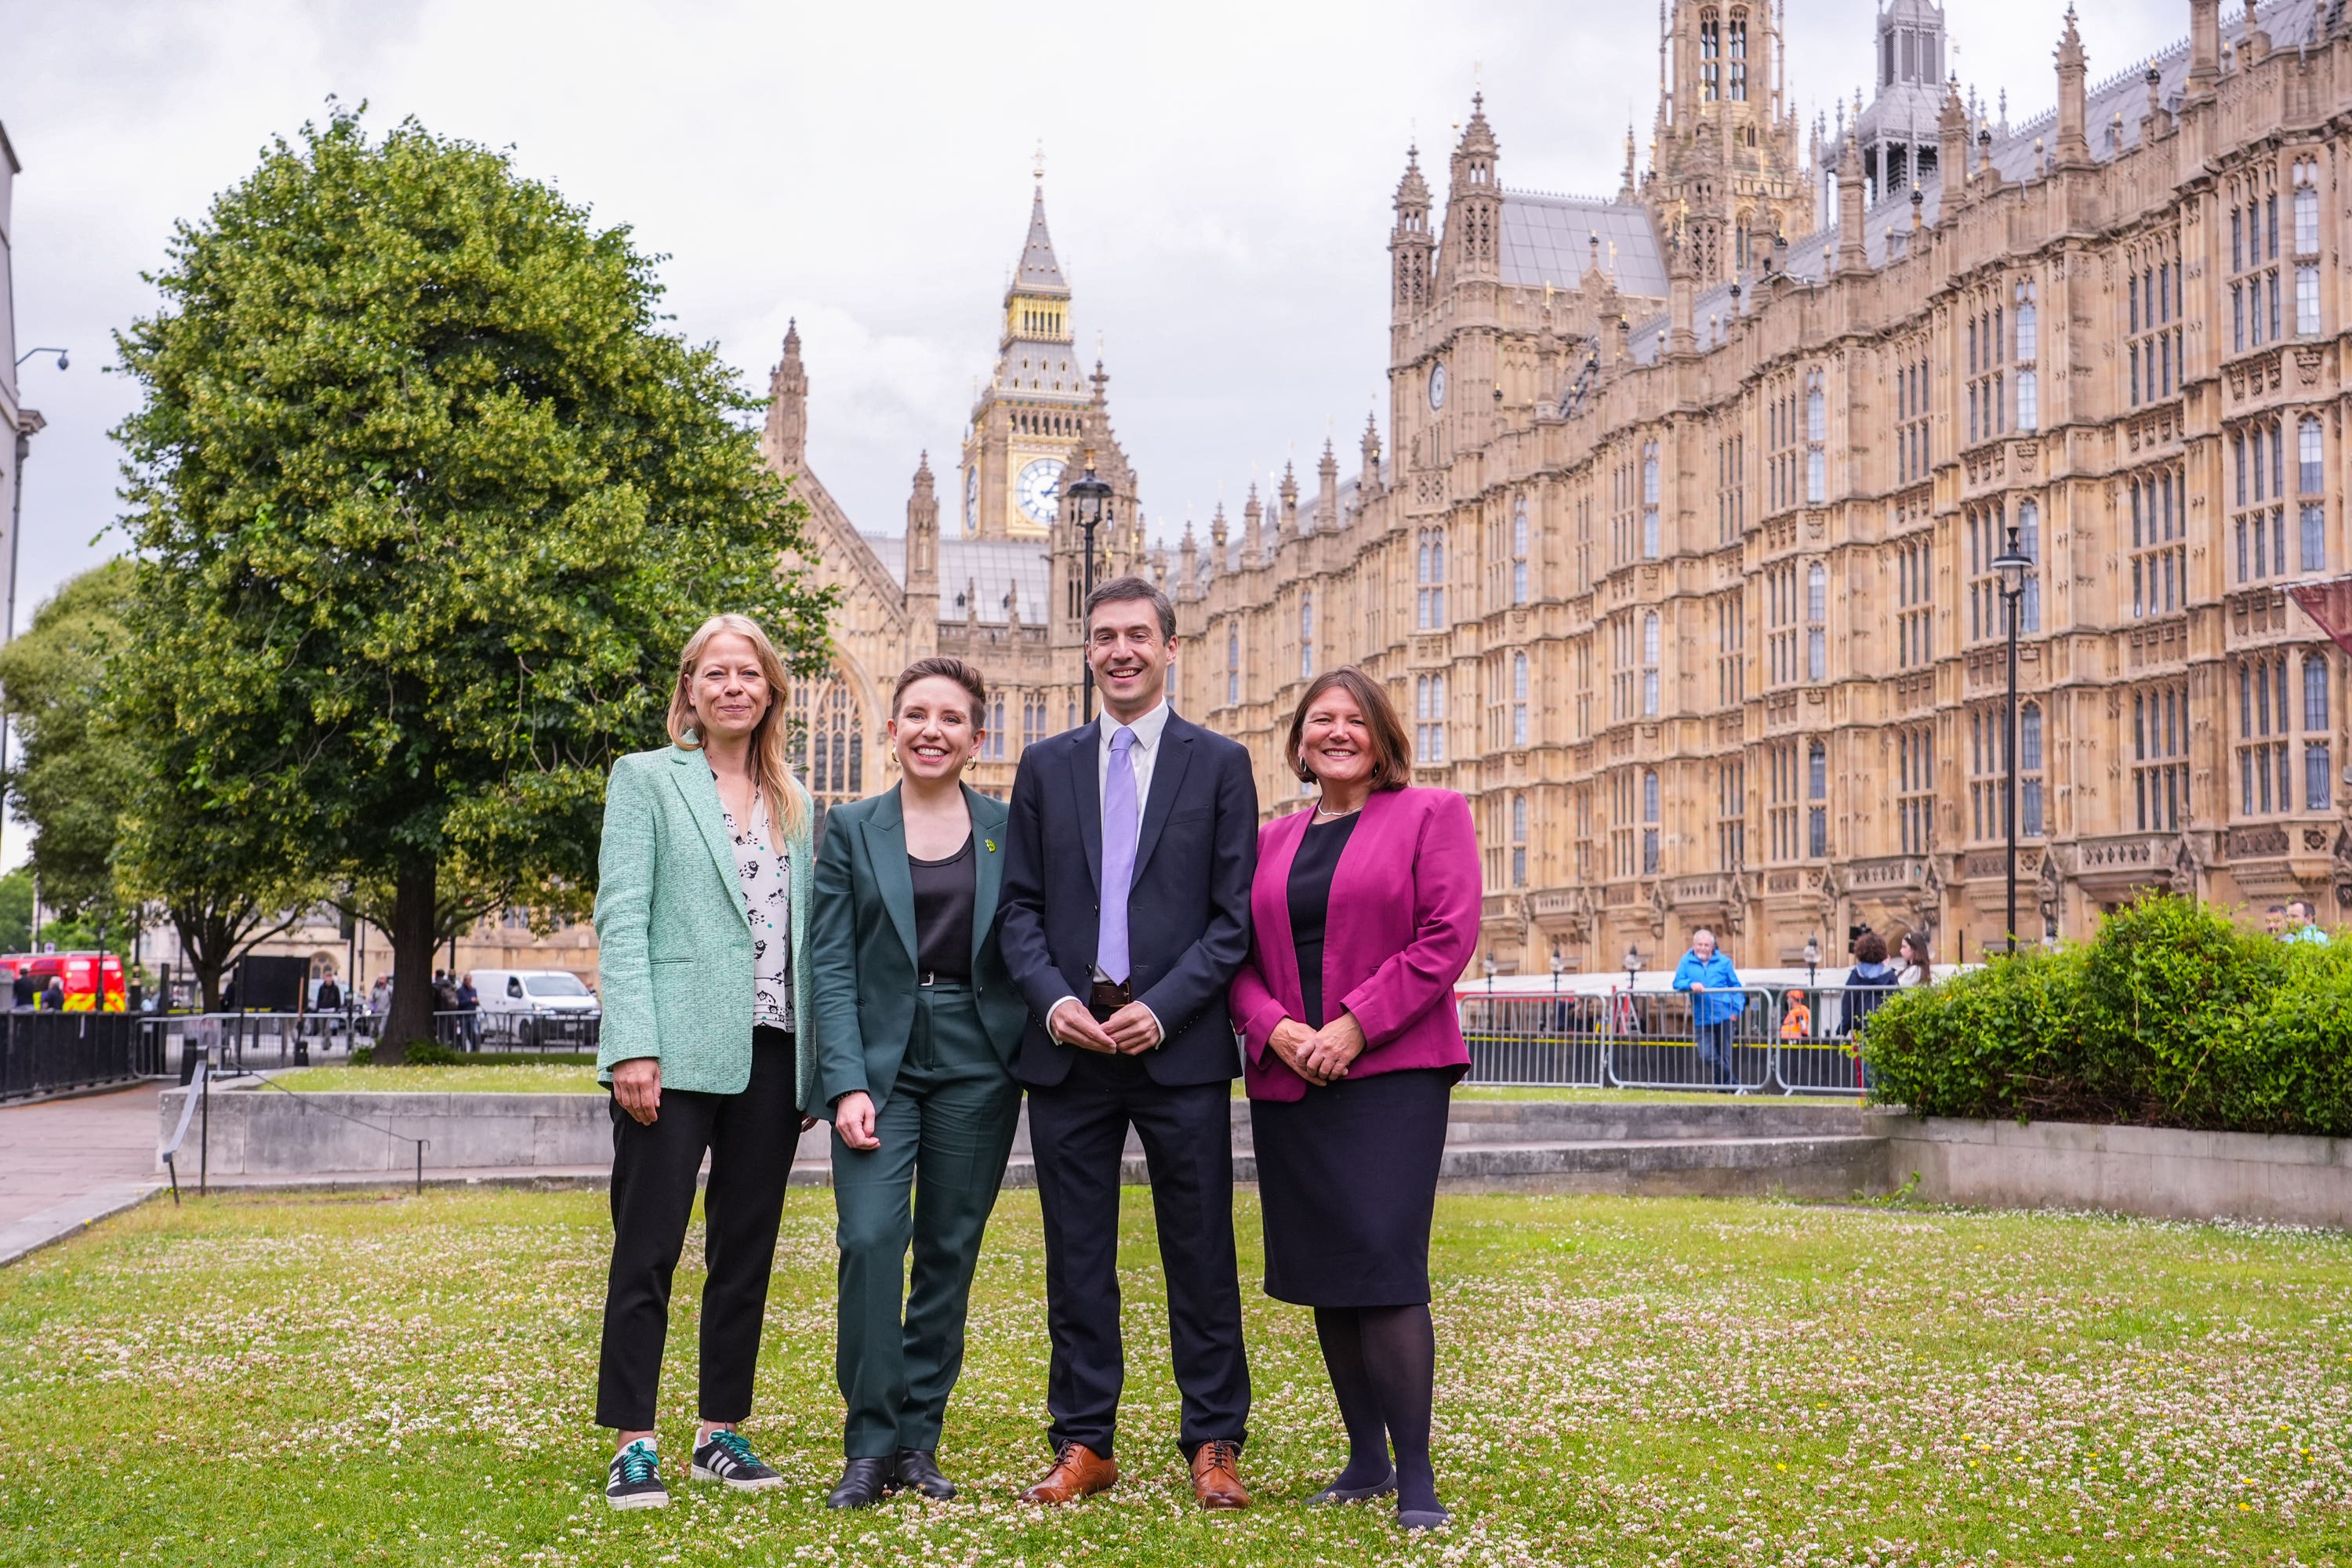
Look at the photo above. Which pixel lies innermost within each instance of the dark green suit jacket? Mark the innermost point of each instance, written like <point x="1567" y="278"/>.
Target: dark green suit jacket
<point x="862" y="944"/>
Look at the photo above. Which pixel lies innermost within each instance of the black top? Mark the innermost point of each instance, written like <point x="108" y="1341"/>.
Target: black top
<point x="1310" y="905"/>
<point x="943" y="900"/>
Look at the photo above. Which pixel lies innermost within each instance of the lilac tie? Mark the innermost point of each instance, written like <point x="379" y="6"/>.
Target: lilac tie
<point x="1117" y="854"/>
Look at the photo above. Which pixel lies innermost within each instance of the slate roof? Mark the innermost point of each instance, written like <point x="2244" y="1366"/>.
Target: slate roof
<point x="996" y="566"/>
<point x="1548" y="240"/>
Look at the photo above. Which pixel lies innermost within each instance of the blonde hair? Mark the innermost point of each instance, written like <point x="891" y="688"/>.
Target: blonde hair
<point x="771" y="767"/>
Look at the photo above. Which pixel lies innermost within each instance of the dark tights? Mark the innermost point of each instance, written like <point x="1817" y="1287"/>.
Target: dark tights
<point x="1384" y="1365"/>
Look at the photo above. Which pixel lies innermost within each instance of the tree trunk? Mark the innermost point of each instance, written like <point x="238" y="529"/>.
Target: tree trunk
<point x="411" y="1016"/>
<point x="206" y="950"/>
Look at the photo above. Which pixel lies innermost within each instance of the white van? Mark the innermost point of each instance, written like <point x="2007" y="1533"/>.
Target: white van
<point x="535" y="1007"/>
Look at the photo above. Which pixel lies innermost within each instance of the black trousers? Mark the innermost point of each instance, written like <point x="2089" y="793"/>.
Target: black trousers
<point x="1078" y="1131"/>
<point x="751" y="1137"/>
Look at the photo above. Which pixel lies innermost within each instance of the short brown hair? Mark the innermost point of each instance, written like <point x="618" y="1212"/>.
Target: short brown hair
<point x="1124" y="590"/>
<point x="1391" y="750"/>
<point x="946" y="668"/>
<point x="1870" y="948"/>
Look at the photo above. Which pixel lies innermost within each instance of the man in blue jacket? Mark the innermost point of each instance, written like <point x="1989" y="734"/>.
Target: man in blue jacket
<point x="1716" y="1002"/>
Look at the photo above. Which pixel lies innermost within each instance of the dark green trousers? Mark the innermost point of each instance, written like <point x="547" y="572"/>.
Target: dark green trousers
<point x="946" y="1131"/>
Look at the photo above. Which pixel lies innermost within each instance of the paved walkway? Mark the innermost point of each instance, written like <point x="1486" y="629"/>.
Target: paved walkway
<point x="65" y="1162"/>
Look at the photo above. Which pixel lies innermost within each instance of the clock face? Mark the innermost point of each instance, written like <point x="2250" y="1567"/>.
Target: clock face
<point x="1437" y="384"/>
<point x="1040" y="491"/>
<point x="971" y="499"/>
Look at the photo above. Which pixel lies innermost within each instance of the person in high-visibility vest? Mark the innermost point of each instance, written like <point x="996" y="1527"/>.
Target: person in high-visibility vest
<point x="1797" y="1023"/>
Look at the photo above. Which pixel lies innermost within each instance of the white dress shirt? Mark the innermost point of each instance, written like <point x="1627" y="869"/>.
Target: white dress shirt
<point x="1139" y="756"/>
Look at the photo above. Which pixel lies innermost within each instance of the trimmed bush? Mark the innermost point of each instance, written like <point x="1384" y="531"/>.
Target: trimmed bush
<point x="2170" y="1017"/>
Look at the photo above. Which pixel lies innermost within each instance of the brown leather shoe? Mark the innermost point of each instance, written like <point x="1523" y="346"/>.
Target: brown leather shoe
<point x="1078" y="1471"/>
<point x="1216" y="1475"/>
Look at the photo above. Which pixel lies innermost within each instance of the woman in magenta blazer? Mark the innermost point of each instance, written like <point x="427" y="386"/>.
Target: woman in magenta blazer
<point x="1363" y="913"/>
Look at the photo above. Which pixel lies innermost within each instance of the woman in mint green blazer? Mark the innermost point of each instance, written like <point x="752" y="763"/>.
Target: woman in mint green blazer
<point x="702" y="910"/>
<point x="916" y="1024"/>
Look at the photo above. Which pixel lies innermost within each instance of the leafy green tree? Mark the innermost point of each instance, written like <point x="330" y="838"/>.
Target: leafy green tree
<point x="16" y="909"/>
<point x="75" y="772"/>
<point x="431" y="500"/>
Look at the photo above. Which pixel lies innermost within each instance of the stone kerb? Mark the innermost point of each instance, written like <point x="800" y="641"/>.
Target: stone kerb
<point x="263" y="1132"/>
<point x="2157" y="1172"/>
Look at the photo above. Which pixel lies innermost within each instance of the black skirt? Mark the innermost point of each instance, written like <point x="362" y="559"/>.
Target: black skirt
<point x="1346" y="1181"/>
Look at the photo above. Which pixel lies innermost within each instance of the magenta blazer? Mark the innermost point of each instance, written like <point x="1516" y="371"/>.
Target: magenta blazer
<point x="1403" y="925"/>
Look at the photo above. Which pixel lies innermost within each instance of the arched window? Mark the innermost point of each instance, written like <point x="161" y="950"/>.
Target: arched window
<point x="1817" y="792"/>
<point x="1518" y="699"/>
<point x="2315" y="691"/>
<point x="2306" y="208"/>
<point x="1736" y="46"/>
<point x="828" y="740"/>
<point x="2029" y="541"/>
<point x="1649" y="822"/>
<point x="1649" y="500"/>
<point x="2318" y="770"/>
<point x="1519" y="550"/>
<point x="995" y="743"/>
<point x="1650" y="664"/>
<point x="2311" y="456"/>
<point x="1233" y="663"/>
<point x="1428" y="717"/>
<point x="1518" y="841"/>
<point x="1429" y="575"/>
<point x="1710" y="56"/>
<point x="1817" y="426"/>
<point x="2029" y="770"/>
<point x="1817" y="632"/>
<point x="1306" y="636"/>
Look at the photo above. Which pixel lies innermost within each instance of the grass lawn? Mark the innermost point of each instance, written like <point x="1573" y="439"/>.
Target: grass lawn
<point x="360" y="1379"/>
<point x="570" y="1075"/>
<point x="501" y="1075"/>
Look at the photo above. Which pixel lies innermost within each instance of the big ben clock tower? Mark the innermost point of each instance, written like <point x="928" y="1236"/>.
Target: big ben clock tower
<point x="1025" y="428"/>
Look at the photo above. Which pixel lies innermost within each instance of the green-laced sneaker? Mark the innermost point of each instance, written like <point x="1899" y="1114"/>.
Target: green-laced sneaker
<point x="635" y="1479"/>
<point x="728" y="1460"/>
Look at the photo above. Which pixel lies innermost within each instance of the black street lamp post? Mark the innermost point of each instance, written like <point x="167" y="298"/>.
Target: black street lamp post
<point x="1090" y="501"/>
<point x="2011" y="564"/>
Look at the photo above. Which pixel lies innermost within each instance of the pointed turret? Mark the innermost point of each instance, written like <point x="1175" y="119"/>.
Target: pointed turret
<point x="1188" y="563"/>
<point x="1039" y="271"/>
<point x="1368" y="482"/>
<point x="787" y="433"/>
<point x="1410" y="241"/>
<point x="2073" y="143"/>
<point x="1474" y="201"/>
<point x="1853" y="249"/>
<point x="1327" y="491"/>
<point x="1286" y="526"/>
<point x="1952" y="152"/>
<point x="1253" y="539"/>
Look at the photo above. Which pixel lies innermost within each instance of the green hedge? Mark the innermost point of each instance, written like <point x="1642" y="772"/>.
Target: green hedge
<point x="2170" y="1017"/>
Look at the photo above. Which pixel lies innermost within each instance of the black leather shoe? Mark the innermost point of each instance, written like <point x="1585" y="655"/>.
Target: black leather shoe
<point x="864" y="1483"/>
<point x="917" y="1470"/>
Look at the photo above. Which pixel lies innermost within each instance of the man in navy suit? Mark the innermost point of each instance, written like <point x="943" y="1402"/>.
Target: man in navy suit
<point x="1127" y="881"/>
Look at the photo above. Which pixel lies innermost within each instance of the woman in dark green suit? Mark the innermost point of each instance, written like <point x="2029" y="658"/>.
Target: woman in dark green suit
<point x="917" y="1022"/>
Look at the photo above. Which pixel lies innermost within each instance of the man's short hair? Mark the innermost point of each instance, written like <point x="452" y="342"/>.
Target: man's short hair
<point x="1128" y="589"/>
<point x="2275" y="910"/>
<point x="2298" y="909"/>
<point x="1699" y="931"/>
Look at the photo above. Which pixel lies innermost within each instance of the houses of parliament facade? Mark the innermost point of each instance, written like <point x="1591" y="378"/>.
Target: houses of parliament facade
<point x="1676" y="558"/>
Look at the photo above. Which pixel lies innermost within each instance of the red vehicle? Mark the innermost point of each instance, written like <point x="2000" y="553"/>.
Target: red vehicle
<point x="93" y="981"/>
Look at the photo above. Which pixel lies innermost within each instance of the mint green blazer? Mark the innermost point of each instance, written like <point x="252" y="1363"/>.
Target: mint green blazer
<point x="863" y="943"/>
<point x="674" y="945"/>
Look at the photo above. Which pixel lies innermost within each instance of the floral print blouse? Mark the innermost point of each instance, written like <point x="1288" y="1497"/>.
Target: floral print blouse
<point x="766" y="876"/>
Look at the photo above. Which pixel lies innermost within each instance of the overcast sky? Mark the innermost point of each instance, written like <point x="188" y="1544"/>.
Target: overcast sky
<point x="1218" y="179"/>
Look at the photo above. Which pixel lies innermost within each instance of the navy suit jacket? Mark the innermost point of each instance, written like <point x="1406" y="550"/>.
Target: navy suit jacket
<point x="1188" y="908"/>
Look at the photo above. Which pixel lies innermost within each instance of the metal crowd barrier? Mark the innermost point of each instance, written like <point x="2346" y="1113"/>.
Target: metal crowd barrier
<point x="47" y="1052"/>
<point x="1768" y="1039"/>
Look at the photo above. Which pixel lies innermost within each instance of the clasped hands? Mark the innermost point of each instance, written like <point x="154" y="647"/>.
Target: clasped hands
<point x="1130" y="1032"/>
<point x="1319" y="1056"/>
